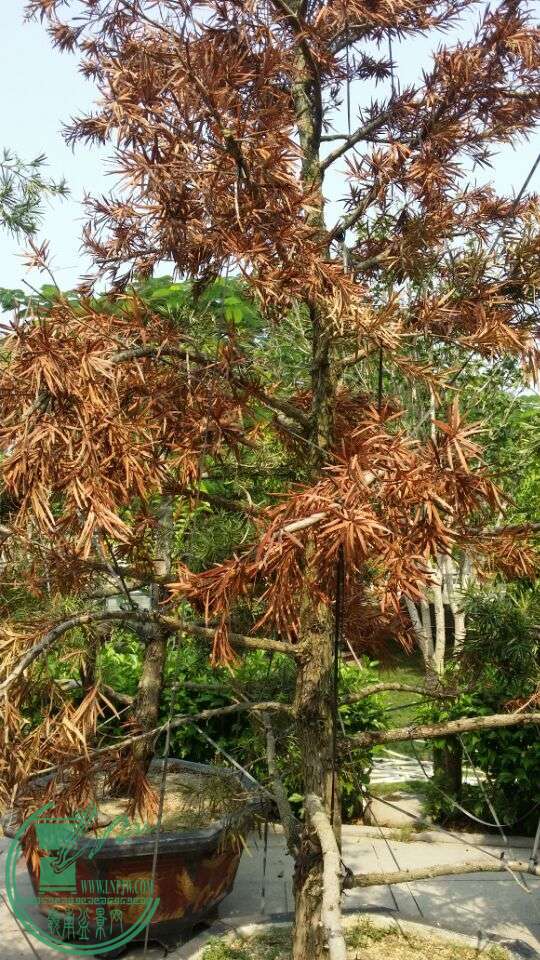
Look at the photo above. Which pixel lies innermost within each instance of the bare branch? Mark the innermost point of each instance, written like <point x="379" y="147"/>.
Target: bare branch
<point x="332" y="881"/>
<point x="385" y="686"/>
<point x="236" y="639"/>
<point x="439" y="870"/>
<point x="353" y="358"/>
<point x="304" y="523"/>
<point x="269" y="706"/>
<point x="364" y="132"/>
<point x="430" y="731"/>
<point x="356" y="214"/>
<point x="123" y="699"/>
<point x="226" y="503"/>
<point x="315" y="518"/>
<point x="291" y="825"/>
<point x="513" y="528"/>
<point x="284" y="406"/>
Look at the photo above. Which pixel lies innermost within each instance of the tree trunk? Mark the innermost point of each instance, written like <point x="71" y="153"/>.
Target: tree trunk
<point x="147" y="701"/>
<point x="314" y="683"/>
<point x="314" y="706"/>
<point x="440" y="620"/>
<point x="314" y="695"/>
<point x="447" y="759"/>
<point x="448" y="767"/>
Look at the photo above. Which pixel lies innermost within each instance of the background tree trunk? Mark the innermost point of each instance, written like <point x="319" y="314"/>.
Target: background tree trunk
<point x="447" y="758"/>
<point x="448" y="767"/>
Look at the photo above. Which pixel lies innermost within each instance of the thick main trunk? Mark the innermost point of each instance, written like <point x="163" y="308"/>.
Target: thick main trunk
<point x="314" y="710"/>
<point x="308" y="934"/>
<point x="314" y="686"/>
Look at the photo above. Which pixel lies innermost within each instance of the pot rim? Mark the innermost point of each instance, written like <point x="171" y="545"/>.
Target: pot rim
<point x="197" y="839"/>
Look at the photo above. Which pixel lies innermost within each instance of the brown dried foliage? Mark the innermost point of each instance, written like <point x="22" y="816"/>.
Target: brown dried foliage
<point x="215" y="114"/>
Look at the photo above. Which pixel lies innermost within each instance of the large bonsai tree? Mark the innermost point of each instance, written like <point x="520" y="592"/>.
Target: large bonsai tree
<point x="224" y="119"/>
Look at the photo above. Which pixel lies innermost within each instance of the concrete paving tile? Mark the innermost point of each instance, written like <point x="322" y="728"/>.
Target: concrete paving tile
<point x="476" y="904"/>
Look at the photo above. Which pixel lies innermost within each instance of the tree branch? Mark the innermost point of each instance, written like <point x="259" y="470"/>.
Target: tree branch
<point x="140" y="617"/>
<point x="214" y="499"/>
<point x="430" y="731"/>
<point x="385" y="686"/>
<point x="362" y="133"/>
<point x="439" y="870"/>
<point x="513" y="528"/>
<point x="275" y="403"/>
<point x="352" y="358"/>
<point x="123" y="699"/>
<point x="178" y="721"/>
<point x="299" y="30"/>
<point x="348" y="222"/>
<point x="315" y="518"/>
<point x="236" y="639"/>
<point x="291" y="825"/>
<point x="332" y="881"/>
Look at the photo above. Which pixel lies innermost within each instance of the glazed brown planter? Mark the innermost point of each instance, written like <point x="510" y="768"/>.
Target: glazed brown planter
<point x="195" y="868"/>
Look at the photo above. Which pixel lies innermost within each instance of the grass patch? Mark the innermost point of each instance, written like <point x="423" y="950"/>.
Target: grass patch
<point x="407" y="833"/>
<point x="403" y="708"/>
<point x="414" y="787"/>
<point x="374" y="942"/>
<point x="273" y="945"/>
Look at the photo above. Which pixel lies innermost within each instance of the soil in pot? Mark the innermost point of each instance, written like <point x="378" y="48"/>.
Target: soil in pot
<point x="187" y="804"/>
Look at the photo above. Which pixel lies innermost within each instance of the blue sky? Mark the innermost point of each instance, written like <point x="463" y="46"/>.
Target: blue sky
<point x="42" y="90"/>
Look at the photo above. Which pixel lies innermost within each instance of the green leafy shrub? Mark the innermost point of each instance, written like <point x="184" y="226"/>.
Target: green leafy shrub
<point x="194" y="685"/>
<point x="499" y="666"/>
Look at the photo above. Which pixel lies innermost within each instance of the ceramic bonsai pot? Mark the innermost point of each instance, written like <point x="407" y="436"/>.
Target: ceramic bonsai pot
<point x="195" y="869"/>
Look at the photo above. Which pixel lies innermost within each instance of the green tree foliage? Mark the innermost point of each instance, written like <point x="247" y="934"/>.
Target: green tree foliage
<point x="192" y="685"/>
<point x="499" y="668"/>
<point x="23" y="190"/>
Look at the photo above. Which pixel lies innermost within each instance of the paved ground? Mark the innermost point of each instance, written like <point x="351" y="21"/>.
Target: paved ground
<point x="481" y="905"/>
<point x="390" y="766"/>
